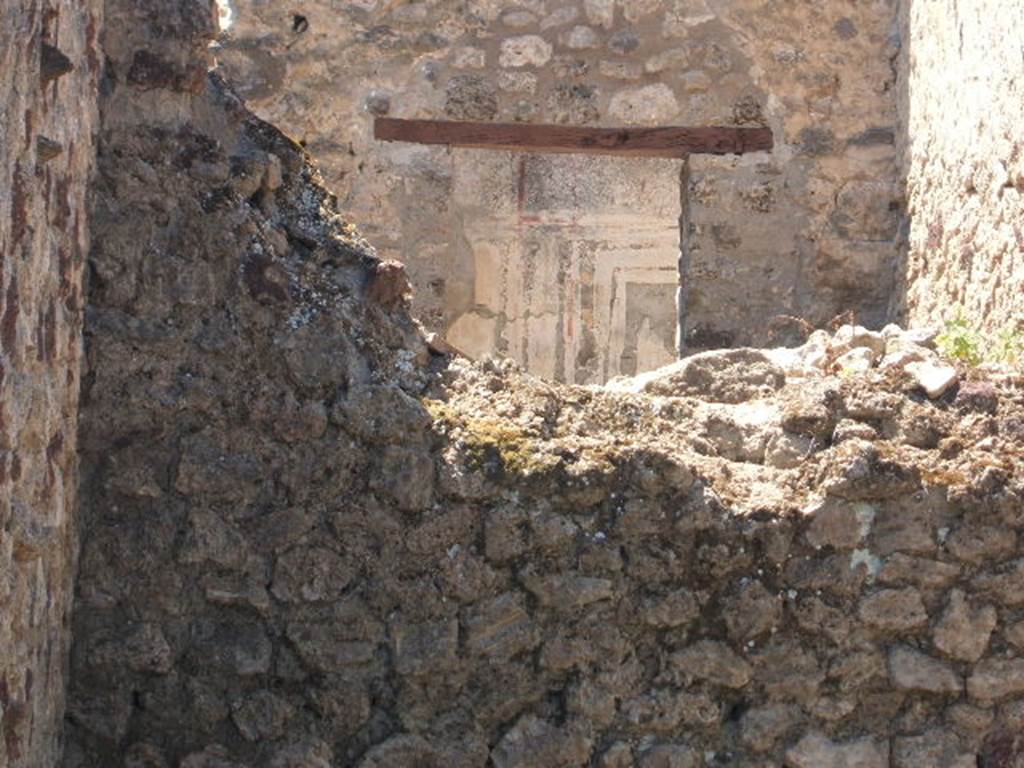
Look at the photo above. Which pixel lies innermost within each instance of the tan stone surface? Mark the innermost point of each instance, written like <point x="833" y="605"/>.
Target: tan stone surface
<point x="49" y="70"/>
<point x="962" y="108"/>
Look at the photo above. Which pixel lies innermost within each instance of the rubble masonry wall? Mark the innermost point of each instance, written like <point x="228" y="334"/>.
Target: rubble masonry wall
<point x="308" y="539"/>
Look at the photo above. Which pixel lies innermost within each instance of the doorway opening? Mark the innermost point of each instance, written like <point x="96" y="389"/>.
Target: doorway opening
<point x="568" y="251"/>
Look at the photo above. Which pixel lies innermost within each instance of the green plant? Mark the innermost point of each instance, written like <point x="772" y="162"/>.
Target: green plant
<point x="485" y="438"/>
<point x="960" y="341"/>
<point x="1009" y="346"/>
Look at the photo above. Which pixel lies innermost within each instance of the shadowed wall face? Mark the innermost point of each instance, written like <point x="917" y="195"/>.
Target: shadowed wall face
<point x="808" y="229"/>
<point x="962" y="106"/>
<point x="49" y="69"/>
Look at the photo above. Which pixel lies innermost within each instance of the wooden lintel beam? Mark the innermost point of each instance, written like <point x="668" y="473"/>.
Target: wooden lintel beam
<point x="630" y="142"/>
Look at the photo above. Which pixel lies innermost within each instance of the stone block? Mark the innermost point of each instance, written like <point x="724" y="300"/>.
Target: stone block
<point x="407" y="476"/>
<point x="311" y="574"/>
<point x="964" y="629"/>
<point x="761" y="727"/>
<point x="424" y="648"/>
<point x="911" y="670"/>
<point x="817" y="751"/>
<point x="932" y="749"/>
<point x="712" y="662"/>
<point x="671" y="756"/>
<point x="977" y="544"/>
<point x="525" y="51"/>
<point x="567" y="592"/>
<point x="676" y="609"/>
<point x="262" y="716"/>
<point x="995" y="679"/>
<point x="644" y="105"/>
<point x="500" y="627"/>
<point x="894" y="610"/>
<point x="534" y="742"/>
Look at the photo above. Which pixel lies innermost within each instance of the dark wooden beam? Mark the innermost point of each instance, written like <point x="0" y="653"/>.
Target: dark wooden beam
<point x="630" y="142"/>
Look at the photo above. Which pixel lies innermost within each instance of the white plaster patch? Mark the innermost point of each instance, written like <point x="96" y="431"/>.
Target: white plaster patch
<point x="469" y="57"/>
<point x="865" y="516"/>
<point x="225" y="14"/>
<point x="864" y="557"/>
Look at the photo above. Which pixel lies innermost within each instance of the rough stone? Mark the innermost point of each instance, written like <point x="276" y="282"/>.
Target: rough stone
<point x="624" y="41"/>
<point x="894" y="610"/>
<point x="532" y="741"/>
<point x="525" y="51"/>
<point x="421" y="649"/>
<point x="729" y="376"/>
<point x="833" y="524"/>
<point x="670" y="756"/>
<point x="671" y="59"/>
<point x="713" y="662"/>
<point x="312" y="753"/>
<point x="963" y="630"/>
<point x="911" y="670"/>
<point x="645" y="105"/>
<point x="816" y="751"/>
<point x="580" y="37"/>
<point x="469" y="97"/>
<point x="310" y="574"/>
<point x="1005" y="585"/>
<point x="568" y="592"/>
<point x="559" y="17"/>
<point x="934" y="379"/>
<point x="762" y="727"/>
<point x="933" y="749"/>
<point x="600" y="12"/>
<point x="143" y="648"/>
<point x="500" y="627"/>
<point x="676" y="609"/>
<point x="994" y="679"/>
<point x="262" y="716"/>
<point x="407" y="475"/>
<point x="982" y="544"/>
<point x="923" y="573"/>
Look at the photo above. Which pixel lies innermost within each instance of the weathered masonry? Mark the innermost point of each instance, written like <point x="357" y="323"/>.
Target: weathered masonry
<point x="297" y="534"/>
<point x="575" y="340"/>
<point x="808" y="231"/>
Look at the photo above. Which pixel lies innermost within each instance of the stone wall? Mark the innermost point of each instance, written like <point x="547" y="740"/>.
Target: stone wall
<point x="48" y="77"/>
<point x="310" y="539"/>
<point x="228" y="307"/>
<point x="808" y="230"/>
<point x="961" y="110"/>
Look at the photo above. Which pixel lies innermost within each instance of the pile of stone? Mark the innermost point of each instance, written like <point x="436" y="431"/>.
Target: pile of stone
<point x="854" y="348"/>
<point x="737" y="375"/>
